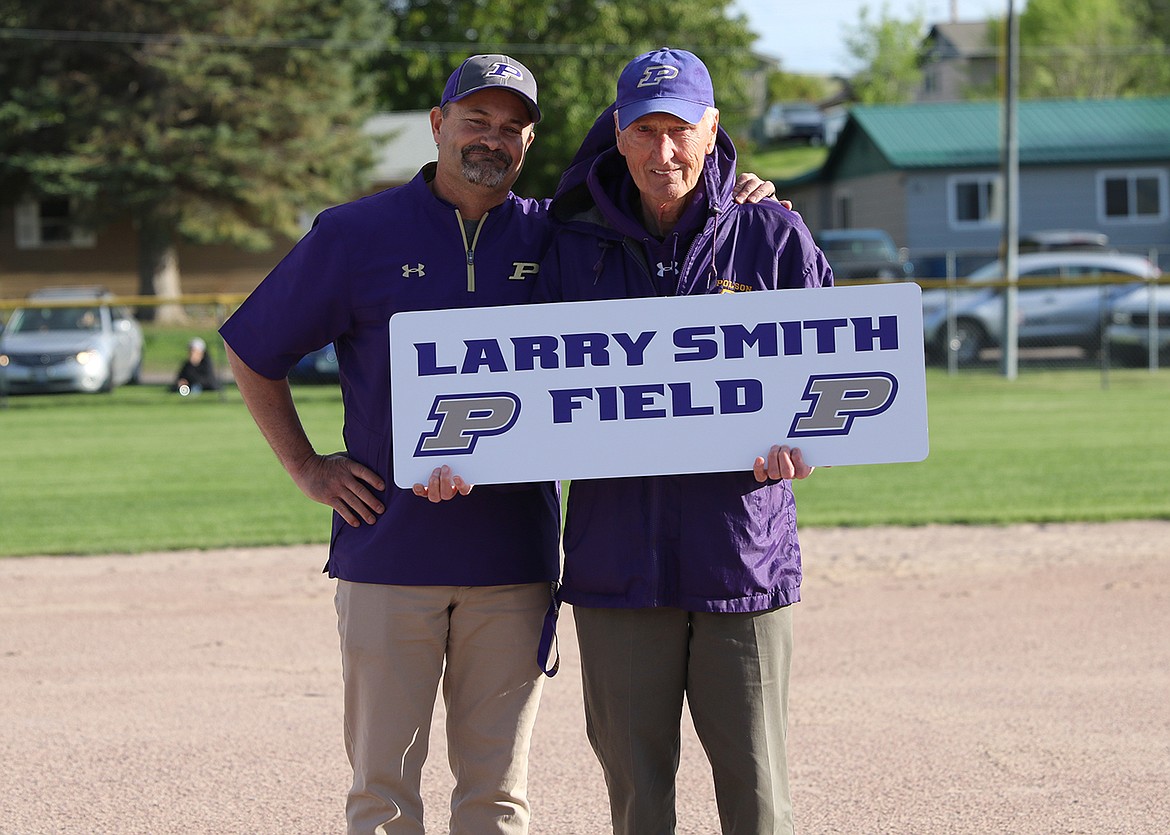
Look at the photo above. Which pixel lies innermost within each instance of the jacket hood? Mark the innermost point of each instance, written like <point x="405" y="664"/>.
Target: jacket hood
<point x="598" y="155"/>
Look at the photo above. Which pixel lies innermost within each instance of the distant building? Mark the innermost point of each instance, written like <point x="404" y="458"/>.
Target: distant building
<point x="405" y="146"/>
<point x="41" y="243"/>
<point x="958" y="58"/>
<point x="930" y="175"/>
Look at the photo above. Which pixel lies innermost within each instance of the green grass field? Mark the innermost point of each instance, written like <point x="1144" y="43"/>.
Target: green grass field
<point x="143" y="469"/>
<point x="781" y="162"/>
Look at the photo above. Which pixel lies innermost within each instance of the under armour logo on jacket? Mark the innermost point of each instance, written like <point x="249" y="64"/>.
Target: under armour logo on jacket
<point x="408" y="271"/>
<point x="664" y="268"/>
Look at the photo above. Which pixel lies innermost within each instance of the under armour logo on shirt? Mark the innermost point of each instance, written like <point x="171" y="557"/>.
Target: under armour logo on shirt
<point x="408" y="271"/>
<point x="664" y="268"/>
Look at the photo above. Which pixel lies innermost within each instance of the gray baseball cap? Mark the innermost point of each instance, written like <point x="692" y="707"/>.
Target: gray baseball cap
<point x="479" y="72"/>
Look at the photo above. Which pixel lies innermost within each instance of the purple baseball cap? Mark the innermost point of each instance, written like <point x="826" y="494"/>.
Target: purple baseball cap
<point x="670" y="81"/>
<point x="480" y="72"/>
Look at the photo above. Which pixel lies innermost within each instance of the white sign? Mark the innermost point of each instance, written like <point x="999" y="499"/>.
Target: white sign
<point x="655" y="386"/>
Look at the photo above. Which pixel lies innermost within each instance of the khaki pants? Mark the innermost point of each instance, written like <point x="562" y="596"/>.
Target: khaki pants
<point x="636" y="666"/>
<point x="396" y="643"/>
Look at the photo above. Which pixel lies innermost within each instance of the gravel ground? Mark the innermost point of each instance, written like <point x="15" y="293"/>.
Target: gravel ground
<point x="947" y="680"/>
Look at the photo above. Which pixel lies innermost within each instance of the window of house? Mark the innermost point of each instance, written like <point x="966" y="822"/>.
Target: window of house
<point x="50" y="223"/>
<point x="930" y="83"/>
<point x="1133" y="196"/>
<point x="843" y="211"/>
<point x="974" y="200"/>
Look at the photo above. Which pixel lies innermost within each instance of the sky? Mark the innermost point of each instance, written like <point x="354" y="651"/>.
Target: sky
<point x="808" y="37"/>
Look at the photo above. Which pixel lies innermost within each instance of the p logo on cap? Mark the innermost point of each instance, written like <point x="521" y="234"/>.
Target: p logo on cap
<point x="482" y="72"/>
<point x="666" y="80"/>
<point x="503" y="70"/>
<point x="656" y="75"/>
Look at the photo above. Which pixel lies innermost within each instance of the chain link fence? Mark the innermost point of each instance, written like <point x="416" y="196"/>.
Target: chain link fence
<point x="1103" y="319"/>
<point x="1103" y="308"/>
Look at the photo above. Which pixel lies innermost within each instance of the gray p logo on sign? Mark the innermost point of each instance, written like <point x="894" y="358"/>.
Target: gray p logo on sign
<point x="837" y="399"/>
<point x="463" y="419"/>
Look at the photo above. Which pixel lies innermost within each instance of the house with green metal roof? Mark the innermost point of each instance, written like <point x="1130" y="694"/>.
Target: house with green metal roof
<point x="931" y="174"/>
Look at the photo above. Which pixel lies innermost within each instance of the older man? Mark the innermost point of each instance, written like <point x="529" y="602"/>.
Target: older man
<point x="680" y="585"/>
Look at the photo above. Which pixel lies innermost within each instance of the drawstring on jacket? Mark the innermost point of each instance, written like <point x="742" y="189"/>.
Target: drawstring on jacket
<point x="603" y="246"/>
<point x="712" y="273"/>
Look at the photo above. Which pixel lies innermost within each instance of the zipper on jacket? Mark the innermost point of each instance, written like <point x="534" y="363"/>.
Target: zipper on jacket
<point x="693" y="252"/>
<point x="470" y="247"/>
<point x="638" y="250"/>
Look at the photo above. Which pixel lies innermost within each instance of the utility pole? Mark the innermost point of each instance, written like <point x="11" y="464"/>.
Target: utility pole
<point x="1010" y="363"/>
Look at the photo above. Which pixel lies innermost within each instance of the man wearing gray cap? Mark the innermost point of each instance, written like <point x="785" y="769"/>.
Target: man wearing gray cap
<point x="438" y="583"/>
<point x="426" y="591"/>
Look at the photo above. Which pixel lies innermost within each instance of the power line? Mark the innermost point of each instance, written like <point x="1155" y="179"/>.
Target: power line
<point x="461" y="47"/>
<point x="433" y="47"/>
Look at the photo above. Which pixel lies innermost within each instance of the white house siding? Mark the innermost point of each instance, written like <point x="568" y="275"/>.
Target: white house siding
<point x="878" y="200"/>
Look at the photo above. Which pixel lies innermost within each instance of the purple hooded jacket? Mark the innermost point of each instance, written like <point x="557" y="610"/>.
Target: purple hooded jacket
<point x="405" y="249"/>
<point x="718" y="542"/>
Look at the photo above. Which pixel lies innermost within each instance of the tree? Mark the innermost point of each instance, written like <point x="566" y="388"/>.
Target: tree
<point x="1085" y="49"/>
<point x="787" y="86"/>
<point x="1153" y="17"/>
<point x="575" y="48"/>
<point x="1153" y="20"/>
<point x="889" y="53"/>
<point x="200" y="121"/>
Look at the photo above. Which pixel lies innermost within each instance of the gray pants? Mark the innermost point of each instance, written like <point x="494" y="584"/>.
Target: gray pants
<point x="636" y="666"/>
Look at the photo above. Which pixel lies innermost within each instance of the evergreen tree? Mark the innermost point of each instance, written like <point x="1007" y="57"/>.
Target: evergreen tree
<point x="204" y="120"/>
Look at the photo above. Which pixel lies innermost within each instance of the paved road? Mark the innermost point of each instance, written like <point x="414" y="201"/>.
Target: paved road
<point x="1012" y="680"/>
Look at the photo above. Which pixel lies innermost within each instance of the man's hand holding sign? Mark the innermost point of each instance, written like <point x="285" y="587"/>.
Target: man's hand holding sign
<point x="781" y="462"/>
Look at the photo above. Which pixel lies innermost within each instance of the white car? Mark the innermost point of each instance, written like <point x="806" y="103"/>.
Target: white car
<point x="1048" y="315"/>
<point x="70" y="339"/>
<point x="1128" y="334"/>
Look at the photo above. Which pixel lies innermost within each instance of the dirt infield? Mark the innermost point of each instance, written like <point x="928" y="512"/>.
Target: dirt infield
<point x="947" y="680"/>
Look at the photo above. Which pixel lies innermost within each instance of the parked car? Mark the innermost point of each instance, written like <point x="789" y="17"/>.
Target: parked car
<point x="1046" y="240"/>
<point x="864" y="253"/>
<point x="318" y="366"/>
<point x="70" y="339"/>
<point x="1128" y="333"/>
<point x="794" y="122"/>
<point x="1048" y="315"/>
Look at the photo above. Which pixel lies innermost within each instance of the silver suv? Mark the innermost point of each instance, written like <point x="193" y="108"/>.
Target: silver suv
<point x="70" y="339"/>
<point x="1048" y="314"/>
